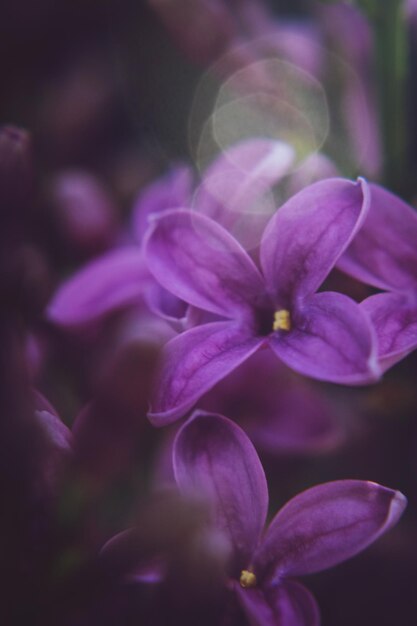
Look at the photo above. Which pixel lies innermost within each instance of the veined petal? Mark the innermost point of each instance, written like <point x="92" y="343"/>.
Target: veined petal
<point x="201" y="263"/>
<point x="307" y="235"/>
<point x="193" y="362"/>
<point x="331" y="339"/>
<point x="234" y="189"/>
<point x="326" y="525"/>
<point x="286" y="604"/>
<point x="394" y="317"/>
<point x="214" y="458"/>
<point x="105" y="285"/>
<point x="384" y="252"/>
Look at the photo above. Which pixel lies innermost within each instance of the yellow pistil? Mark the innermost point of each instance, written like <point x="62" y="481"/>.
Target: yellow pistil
<point x="282" y="320"/>
<point x="247" y="579"/>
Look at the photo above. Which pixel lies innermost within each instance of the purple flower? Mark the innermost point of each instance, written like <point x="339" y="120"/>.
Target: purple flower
<point x="229" y="192"/>
<point x="317" y="529"/>
<point x="322" y="335"/>
<point x="384" y="255"/>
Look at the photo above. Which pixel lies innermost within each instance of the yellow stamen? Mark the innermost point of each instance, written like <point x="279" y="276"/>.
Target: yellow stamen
<point x="247" y="579"/>
<point x="282" y="320"/>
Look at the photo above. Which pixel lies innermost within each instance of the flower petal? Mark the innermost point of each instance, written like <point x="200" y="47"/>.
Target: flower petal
<point x="331" y="339"/>
<point x="286" y="604"/>
<point x="213" y="457"/>
<point x="394" y="317"/>
<point x="172" y="191"/>
<point x="279" y="410"/>
<point x="111" y="282"/>
<point x="194" y="362"/>
<point x="201" y="263"/>
<point x="234" y="189"/>
<point x="384" y="252"/>
<point x="307" y="235"/>
<point x="326" y="525"/>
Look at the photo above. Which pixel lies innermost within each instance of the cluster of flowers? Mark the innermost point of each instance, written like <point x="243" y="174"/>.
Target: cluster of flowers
<point x="193" y="338"/>
<point x="217" y="282"/>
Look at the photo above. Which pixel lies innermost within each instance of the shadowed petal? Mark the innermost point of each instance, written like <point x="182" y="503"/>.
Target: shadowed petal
<point x="286" y="604"/>
<point x="326" y="525"/>
<point x="307" y="235"/>
<point x="172" y="191"/>
<point x="279" y="410"/>
<point x="234" y="189"/>
<point x="214" y="458"/>
<point x="384" y="253"/>
<point x="201" y="263"/>
<point x="331" y="339"/>
<point x="111" y="282"/>
<point x="394" y="317"/>
<point x="194" y="362"/>
<point x="151" y="571"/>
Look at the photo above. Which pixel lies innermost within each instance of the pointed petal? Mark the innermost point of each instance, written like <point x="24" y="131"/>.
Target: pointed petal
<point x="214" y="458"/>
<point x="194" y="362"/>
<point x="331" y="339"/>
<point x="236" y="189"/>
<point x="111" y="282"/>
<point x="384" y="252"/>
<point x="286" y="604"/>
<point x="201" y="263"/>
<point x="307" y="235"/>
<point x="171" y="191"/>
<point x="326" y="525"/>
<point x="394" y="317"/>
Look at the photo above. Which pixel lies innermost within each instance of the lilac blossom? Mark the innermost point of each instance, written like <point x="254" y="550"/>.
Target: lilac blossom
<point x="319" y="528"/>
<point x="384" y="255"/>
<point x="323" y="335"/>
<point x="230" y="191"/>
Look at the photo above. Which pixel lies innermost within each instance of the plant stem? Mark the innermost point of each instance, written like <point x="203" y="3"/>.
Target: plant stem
<point x="391" y="47"/>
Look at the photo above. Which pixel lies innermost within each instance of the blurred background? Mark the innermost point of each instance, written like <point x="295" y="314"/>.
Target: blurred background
<point x="98" y="100"/>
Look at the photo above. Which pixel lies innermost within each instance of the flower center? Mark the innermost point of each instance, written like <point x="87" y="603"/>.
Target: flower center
<point x="282" y="320"/>
<point x="247" y="579"/>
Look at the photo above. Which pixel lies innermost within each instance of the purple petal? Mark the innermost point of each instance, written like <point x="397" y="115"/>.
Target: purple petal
<point x="384" y="253"/>
<point x="394" y="317"/>
<point x="306" y="236"/>
<point x="280" y="411"/>
<point x="109" y="283"/>
<point x="57" y="434"/>
<point x="286" y="604"/>
<point x="149" y="571"/>
<point x="194" y="362"/>
<point x="213" y="457"/>
<point x="172" y="191"/>
<point x="233" y="188"/>
<point x="331" y="339"/>
<point x="198" y="261"/>
<point x="167" y="306"/>
<point x="326" y="525"/>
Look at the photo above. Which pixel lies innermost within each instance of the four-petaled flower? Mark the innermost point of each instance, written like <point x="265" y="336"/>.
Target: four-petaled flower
<point x="323" y="335"/>
<point x="323" y="526"/>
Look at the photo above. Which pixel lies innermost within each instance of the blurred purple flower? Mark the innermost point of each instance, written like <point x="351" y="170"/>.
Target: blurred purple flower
<point x="201" y="263"/>
<point x="317" y="529"/>
<point x="84" y="212"/>
<point x="384" y="255"/>
<point x="230" y="192"/>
